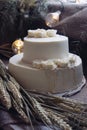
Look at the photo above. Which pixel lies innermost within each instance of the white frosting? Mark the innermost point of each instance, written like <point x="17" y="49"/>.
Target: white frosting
<point x="42" y="33"/>
<point x="45" y="48"/>
<point x="49" y="64"/>
<point x="55" y="81"/>
<point x="55" y="63"/>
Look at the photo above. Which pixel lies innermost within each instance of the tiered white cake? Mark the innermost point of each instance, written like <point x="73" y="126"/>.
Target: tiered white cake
<point x="46" y="64"/>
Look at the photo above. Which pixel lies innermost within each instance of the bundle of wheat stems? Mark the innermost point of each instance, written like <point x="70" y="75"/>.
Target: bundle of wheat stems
<point x="53" y="111"/>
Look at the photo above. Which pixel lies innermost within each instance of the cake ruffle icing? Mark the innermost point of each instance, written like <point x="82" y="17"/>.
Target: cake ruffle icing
<point x="46" y="64"/>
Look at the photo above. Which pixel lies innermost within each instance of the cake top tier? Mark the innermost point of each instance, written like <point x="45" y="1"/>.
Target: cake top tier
<point x="45" y="44"/>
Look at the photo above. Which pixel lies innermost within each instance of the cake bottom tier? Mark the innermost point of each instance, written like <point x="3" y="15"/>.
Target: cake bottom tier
<point x="53" y="81"/>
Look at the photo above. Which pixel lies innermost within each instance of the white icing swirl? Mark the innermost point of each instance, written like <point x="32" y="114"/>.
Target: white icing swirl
<point x="55" y="63"/>
<point x="41" y="33"/>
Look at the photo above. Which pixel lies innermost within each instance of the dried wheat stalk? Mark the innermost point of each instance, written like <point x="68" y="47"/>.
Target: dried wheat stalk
<point x="3" y="70"/>
<point x="13" y="81"/>
<point x="20" y="111"/>
<point x="4" y="95"/>
<point x="41" y="112"/>
<point x="15" y="92"/>
<point x="56" y="119"/>
<point x="67" y="103"/>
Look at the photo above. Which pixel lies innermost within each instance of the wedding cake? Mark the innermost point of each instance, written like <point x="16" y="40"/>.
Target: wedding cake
<point x="46" y="64"/>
